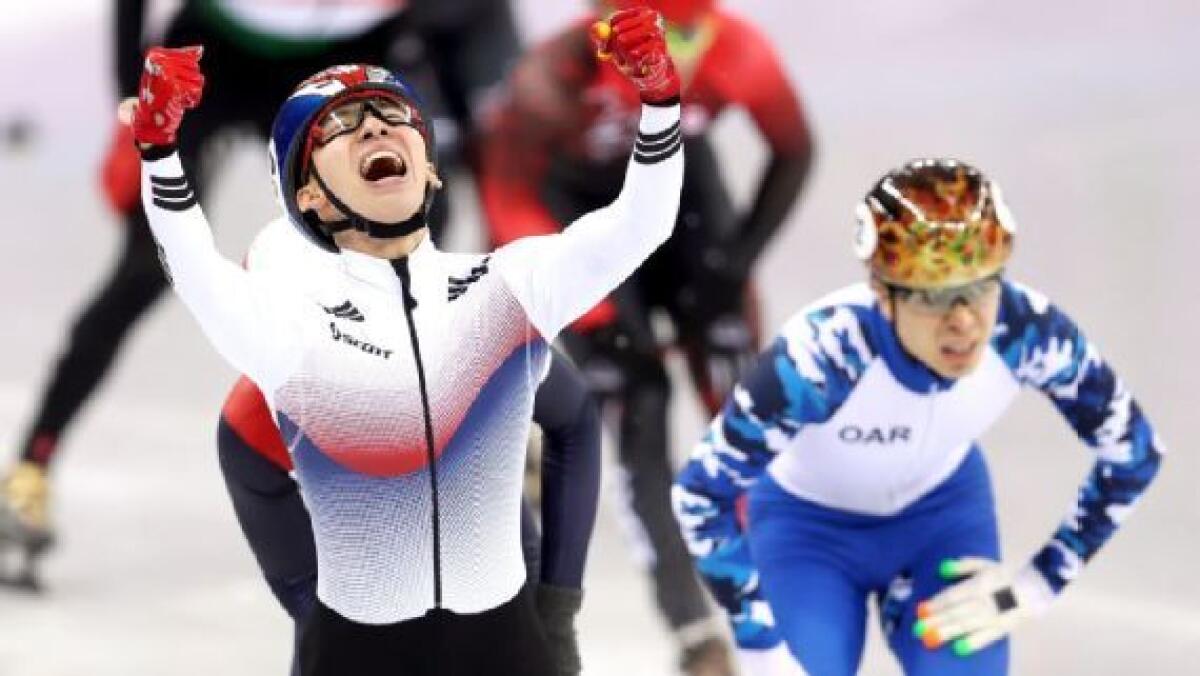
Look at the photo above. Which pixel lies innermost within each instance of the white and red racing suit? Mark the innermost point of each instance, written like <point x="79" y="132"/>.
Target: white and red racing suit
<point x="404" y="388"/>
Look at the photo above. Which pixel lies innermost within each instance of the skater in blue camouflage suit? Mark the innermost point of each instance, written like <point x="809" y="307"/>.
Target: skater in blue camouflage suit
<point x="854" y="444"/>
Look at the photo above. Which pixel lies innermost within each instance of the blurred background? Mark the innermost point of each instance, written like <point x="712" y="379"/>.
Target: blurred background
<point x="1085" y="113"/>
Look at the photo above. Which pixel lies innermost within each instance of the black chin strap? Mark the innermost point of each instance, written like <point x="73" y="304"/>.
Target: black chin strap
<point x="371" y="228"/>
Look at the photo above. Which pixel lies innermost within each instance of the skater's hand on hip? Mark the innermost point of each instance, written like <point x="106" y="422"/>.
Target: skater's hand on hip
<point x="633" y="40"/>
<point x="985" y="606"/>
<point x="171" y="84"/>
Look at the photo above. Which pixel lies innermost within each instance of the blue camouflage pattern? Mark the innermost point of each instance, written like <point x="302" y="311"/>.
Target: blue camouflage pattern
<point x="814" y="365"/>
<point x="1044" y="349"/>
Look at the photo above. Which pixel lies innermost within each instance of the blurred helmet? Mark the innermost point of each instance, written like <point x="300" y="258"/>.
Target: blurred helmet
<point x="292" y="143"/>
<point x="683" y="12"/>
<point x="934" y="223"/>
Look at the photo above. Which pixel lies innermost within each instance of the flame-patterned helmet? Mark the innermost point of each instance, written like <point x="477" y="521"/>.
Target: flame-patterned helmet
<point x="934" y="223"/>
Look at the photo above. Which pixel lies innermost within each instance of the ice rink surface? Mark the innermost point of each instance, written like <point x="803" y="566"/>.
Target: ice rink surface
<point x="1085" y="112"/>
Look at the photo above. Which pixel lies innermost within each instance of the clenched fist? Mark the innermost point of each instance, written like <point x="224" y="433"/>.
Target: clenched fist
<point x="171" y="84"/>
<point x="633" y="40"/>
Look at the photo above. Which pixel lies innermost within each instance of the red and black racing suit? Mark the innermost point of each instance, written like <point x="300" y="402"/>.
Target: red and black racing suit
<point x="556" y="148"/>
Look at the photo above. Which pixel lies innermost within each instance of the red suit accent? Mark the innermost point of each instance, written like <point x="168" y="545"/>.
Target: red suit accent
<point x="246" y="412"/>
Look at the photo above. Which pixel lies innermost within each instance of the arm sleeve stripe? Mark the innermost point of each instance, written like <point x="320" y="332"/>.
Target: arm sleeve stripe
<point x="175" y="205"/>
<point x="168" y="181"/>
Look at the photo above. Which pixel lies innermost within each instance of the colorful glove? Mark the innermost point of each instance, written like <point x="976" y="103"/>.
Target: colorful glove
<point x="731" y="577"/>
<point x="633" y="40"/>
<point x="121" y="172"/>
<point x="171" y="84"/>
<point x="983" y="608"/>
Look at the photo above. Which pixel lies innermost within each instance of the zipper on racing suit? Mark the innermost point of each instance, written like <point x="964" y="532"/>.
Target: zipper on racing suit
<point x="400" y="265"/>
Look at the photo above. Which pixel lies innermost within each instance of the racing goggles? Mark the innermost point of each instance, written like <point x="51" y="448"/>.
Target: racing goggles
<point x="346" y="117"/>
<point x="943" y="300"/>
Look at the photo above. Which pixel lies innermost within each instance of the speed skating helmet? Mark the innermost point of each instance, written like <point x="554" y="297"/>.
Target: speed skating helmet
<point x="291" y="145"/>
<point x="934" y="223"/>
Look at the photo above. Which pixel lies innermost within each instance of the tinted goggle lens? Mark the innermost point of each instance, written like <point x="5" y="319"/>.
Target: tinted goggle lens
<point x="348" y="117"/>
<point x="943" y="300"/>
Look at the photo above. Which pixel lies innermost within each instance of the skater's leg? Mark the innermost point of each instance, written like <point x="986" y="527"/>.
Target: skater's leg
<point x="531" y="544"/>
<point x="644" y="455"/>
<point x="275" y="522"/>
<point x="135" y="283"/>
<point x="21" y="545"/>
<point x="812" y="571"/>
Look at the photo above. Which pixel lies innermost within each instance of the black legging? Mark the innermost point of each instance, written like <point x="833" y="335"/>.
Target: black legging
<point x="507" y="640"/>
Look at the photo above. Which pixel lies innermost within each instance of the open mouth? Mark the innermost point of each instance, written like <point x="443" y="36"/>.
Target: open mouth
<point x="959" y="352"/>
<point x="381" y="165"/>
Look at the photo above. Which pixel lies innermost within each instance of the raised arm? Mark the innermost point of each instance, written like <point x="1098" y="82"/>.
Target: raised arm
<point x="559" y="277"/>
<point x="763" y="88"/>
<point x="238" y="314"/>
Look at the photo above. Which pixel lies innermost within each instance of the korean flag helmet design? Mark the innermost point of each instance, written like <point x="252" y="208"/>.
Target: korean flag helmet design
<point x="292" y="144"/>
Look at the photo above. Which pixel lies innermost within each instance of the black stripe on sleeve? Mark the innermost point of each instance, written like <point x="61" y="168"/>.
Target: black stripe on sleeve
<point x="171" y="193"/>
<point x="646" y="137"/>
<point x="175" y="205"/>
<point x="659" y="146"/>
<point x="168" y="181"/>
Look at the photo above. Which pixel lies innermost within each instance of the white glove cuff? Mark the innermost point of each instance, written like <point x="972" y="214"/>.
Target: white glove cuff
<point x="1033" y="592"/>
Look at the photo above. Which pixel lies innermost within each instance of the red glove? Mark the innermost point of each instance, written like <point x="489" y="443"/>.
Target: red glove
<point x="121" y="172"/>
<point x="171" y="84"/>
<point x="633" y="39"/>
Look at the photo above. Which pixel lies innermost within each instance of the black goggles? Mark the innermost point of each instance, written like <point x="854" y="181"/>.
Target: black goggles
<point x="941" y="301"/>
<point x="347" y="117"/>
